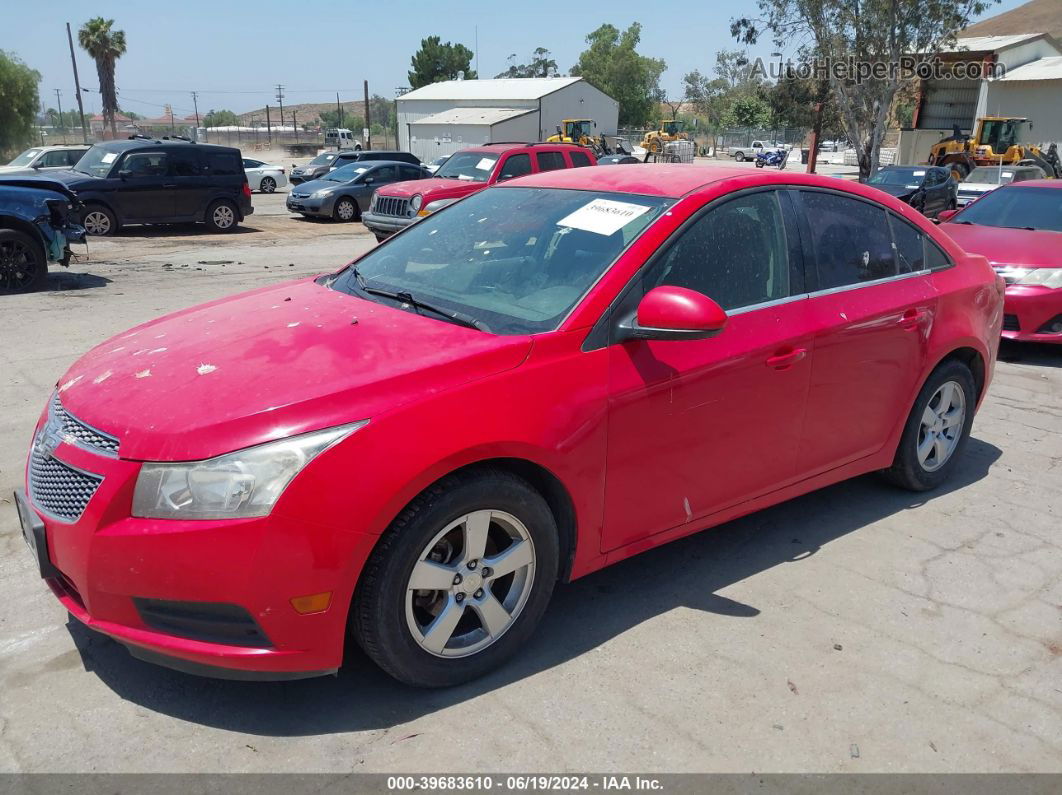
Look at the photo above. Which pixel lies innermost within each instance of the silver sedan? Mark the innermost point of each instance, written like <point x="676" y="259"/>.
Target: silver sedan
<point x="264" y="177"/>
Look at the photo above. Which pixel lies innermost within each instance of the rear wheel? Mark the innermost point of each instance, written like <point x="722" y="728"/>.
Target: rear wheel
<point x="739" y="156"/>
<point x="99" y="220"/>
<point x="267" y="185"/>
<point x="936" y="430"/>
<point x="345" y="209"/>
<point x="459" y="581"/>
<point x="23" y="266"/>
<point x="221" y="216"/>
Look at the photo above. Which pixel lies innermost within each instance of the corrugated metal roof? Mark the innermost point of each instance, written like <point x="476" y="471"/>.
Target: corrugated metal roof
<point x="486" y="116"/>
<point x="1043" y="69"/>
<point x="990" y="43"/>
<point x="500" y="89"/>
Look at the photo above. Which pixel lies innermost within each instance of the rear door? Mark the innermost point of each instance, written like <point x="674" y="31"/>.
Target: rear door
<point x="190" y="182"/>
<point x="550" y="161"/>
<point x="144" y="191"/>
<point x="872" y="312"/>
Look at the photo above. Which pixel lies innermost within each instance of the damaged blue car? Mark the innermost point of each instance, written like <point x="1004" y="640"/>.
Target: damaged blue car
<point x="38" y="222"/>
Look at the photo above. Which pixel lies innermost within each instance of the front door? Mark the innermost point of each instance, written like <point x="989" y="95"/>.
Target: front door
<point x="697" y="426"/>
<point x="144" y="188"/>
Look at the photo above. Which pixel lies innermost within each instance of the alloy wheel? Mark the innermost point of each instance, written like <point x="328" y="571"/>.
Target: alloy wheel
<point x="941" y="426"/>
<point x="223" y="216"/>
<point x="470" y="583"/>
<point x="18" y="266"/>
<point x="97" y="222"/>
<point x="268" y="185"/>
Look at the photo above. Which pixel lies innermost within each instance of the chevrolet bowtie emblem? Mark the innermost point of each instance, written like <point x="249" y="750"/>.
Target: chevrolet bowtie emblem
<point x="50" y="437"/>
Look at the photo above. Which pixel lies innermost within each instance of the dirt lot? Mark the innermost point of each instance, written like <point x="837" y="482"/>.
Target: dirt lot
<point x="856" y="629"/>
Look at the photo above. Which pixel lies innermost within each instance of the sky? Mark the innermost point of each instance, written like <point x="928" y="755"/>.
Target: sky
<point x="233" y="53"/>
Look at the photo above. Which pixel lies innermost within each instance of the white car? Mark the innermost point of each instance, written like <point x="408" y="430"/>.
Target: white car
<point x="43" y="158"/>
<point x="436" y="164"/>
<point x="264" y="177"/>
<point x="987" y="178"/>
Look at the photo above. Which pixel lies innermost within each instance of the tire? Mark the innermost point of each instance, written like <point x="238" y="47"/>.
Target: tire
<point x="99" y="221"/>
<point x="23" y="265"/>
<point x="345" y="210"/>
<point x="222" y="216"/>
<point x="392" y="622"/>
<point x="267" y="185"/>
<point x="759" y="164"/>
<point x="911" y="471"/>
<point x="739" y="157"/>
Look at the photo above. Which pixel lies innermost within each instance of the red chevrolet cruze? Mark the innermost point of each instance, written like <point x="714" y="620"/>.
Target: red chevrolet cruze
<point x="1018" y="228"/>
<point x="542" y="379"/>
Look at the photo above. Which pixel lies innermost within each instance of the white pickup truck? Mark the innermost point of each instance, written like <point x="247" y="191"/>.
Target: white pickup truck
<point x="740" y="153"/>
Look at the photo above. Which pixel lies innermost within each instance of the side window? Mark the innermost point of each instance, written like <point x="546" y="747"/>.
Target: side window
<point x="145" y="164"/>
<point x="410" y="172"/>
<point x="53" y="159"/>
<point x="910" y="256"/>
<point x="384" y="174"/>
<point x="851" y="240"/>
<point x="185" y="163"/>
<point x="224" y="164"/>
<point x="549" y="161"/>
<point x="73" y="155"/>
<point x="250" y="163"/>
<point x="580" y="159"/>
<point x="516" y="166"/>
<point x="735" y="254"/>
<point x="936" y="259"/>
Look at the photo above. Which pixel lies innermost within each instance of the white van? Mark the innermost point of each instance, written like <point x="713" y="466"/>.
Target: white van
<point x="341" y="139"/>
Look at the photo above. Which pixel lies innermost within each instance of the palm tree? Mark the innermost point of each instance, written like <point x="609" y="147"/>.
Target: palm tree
<point x="105" y="46"/>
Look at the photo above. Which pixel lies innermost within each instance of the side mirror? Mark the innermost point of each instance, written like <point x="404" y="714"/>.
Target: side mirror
<point x="125" y="174"/>
<point x="36" y="166"/>
<point x="368" y="180"/>
<point x="673" y="313"/>
<point x="945" y="215"/>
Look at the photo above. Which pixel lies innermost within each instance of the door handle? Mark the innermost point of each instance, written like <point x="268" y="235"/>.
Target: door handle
<point x="782" y="361"/>
<point x="171" y="185"/>
<point x="912" y="318"/>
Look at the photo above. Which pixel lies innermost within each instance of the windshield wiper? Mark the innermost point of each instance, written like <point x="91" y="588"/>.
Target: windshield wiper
<point x="407" y="298"/>
<point x="1026" y="228"/>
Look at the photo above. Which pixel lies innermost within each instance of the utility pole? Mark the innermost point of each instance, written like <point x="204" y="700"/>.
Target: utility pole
<point x="339" y="110"/>
<point x="77" y="85"/>
<point x="280" y="101"/>
<point x="368" y="119"/>
<point x="195" y="104"/>
<point x="269" y="127"/>
<point x="295" y="126"/>
<point x="59" y="101"/>
<point x="169" y="112"/>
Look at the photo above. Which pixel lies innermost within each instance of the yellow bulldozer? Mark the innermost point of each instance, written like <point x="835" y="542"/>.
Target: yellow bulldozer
<point x="997" y="140"/>
<point x="581" y="131"/>
<point x="672" y="130"/>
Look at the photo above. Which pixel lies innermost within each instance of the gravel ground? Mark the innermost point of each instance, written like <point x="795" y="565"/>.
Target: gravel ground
<point x="856" y="629"/>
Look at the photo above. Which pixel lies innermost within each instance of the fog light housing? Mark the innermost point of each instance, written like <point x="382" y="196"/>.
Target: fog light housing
<point x="1052" y="326"/>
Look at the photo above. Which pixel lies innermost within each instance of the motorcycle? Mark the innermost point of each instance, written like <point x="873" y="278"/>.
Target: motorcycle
<point x="775" y="157"/>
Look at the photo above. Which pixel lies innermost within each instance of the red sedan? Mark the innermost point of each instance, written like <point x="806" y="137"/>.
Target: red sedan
<point x="1018" y="227"/>
<point x="540" y="380"/>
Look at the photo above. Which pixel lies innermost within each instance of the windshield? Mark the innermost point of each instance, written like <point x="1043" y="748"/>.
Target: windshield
<point x="96" y="162"/>
<point x="1001" y="135"/>
<point x="516" y="260"/>
<point x="346" y="173"/>
<point x="991" y="174"/>
<point x="323" y="160"/>
<point x="474" y="166"/>
<point x="1016" y="207"/>
<point x="898" y="176"/>
<point x="25" y="158"/>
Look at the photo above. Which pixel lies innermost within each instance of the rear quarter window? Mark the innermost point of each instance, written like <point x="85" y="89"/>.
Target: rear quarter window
<point x="580" y="159"/>
<point x="225" y="164"/>
<point x="550" y="161"/>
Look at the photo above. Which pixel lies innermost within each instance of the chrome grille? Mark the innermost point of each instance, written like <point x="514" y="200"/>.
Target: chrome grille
<point x="60" y="490"/>
<point x="82" y="434"/>
<point x="391" y="205"/>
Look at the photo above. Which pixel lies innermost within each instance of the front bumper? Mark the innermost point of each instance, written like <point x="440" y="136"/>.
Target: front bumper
<point x="309" y="206"/>
<point x="105" y="563"/>
<point x="386" y="225"/>
<point x="1027" y="309"/>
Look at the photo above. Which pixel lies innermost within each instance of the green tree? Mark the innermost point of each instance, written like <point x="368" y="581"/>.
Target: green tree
<point x="612" y="64"/>
<point x="872" y="32"/>
<point x="707" y="96"/>
<point x="345" y="120"/>
<point x="18" y="102"/>
<point x="541" y="64"/>
<point x="220" y="118"/>
<point x="747" y="111"/>
<point x="435" y="62"/>
<point x="381" y="111"/>
<point x="106" y="46"/>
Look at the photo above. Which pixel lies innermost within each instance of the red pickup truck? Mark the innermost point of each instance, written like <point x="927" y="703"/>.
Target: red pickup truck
<point x="396" y="206"/>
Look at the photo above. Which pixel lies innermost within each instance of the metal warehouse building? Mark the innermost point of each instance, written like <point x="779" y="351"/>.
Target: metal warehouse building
<point x="441" y="118"/>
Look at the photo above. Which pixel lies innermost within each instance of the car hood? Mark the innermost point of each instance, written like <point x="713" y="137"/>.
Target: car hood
<point x="1032" y="249"/>
<point x="433" y="187"/>
<point x="39" y="183"/>
<point x="978" y="187"/>
<point x="308" y="187"/>
<point x="268" y="364"/>
<point x="899" y="191"/>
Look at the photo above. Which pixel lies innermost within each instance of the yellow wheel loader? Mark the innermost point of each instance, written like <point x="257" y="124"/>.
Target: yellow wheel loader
<point x="997" y="140"/>
<point x="673" y="130"/>
<point x="581" y="131"/>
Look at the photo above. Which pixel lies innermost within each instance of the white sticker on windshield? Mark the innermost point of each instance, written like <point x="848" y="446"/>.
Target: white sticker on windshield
<point x="1008" y="174"/>
<point x="485" y="164"/>
<point x="110" y="157"/>
<point x="603" y="216"/>
<point x="919" y="174"/>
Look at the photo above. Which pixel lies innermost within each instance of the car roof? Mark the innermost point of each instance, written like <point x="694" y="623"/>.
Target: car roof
<point x="1035" y="183"/>
<point x="52" y="147"/>
<point x="507" y="146"/>
<point x="369" y="164"/>
<point x="136" y="143"/>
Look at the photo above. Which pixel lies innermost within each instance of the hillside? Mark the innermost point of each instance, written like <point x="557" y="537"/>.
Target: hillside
<point x="1038" y="16"/>
<point x="306" y="113"/>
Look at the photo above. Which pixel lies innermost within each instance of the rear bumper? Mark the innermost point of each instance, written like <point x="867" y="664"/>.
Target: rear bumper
<point x="385" y="224"/>
<point x="1027" y="309"/>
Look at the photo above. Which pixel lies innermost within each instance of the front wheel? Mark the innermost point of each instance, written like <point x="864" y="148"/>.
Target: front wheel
<point x="23" y="267"/>
<point x="345" y="210"/>
<point x="221" y="216"/>
<point x="936" y="430"/>
<point x="459" y="581"/>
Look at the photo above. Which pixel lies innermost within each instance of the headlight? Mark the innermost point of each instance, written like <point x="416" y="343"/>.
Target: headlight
<point x="372" y="202"/>
<point x="319" y="194"/>
<point x="1041" y="277"/>
<point x="237" y="485"/>
<point x="437" y="205"/>
<point x="414" y="203"/>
